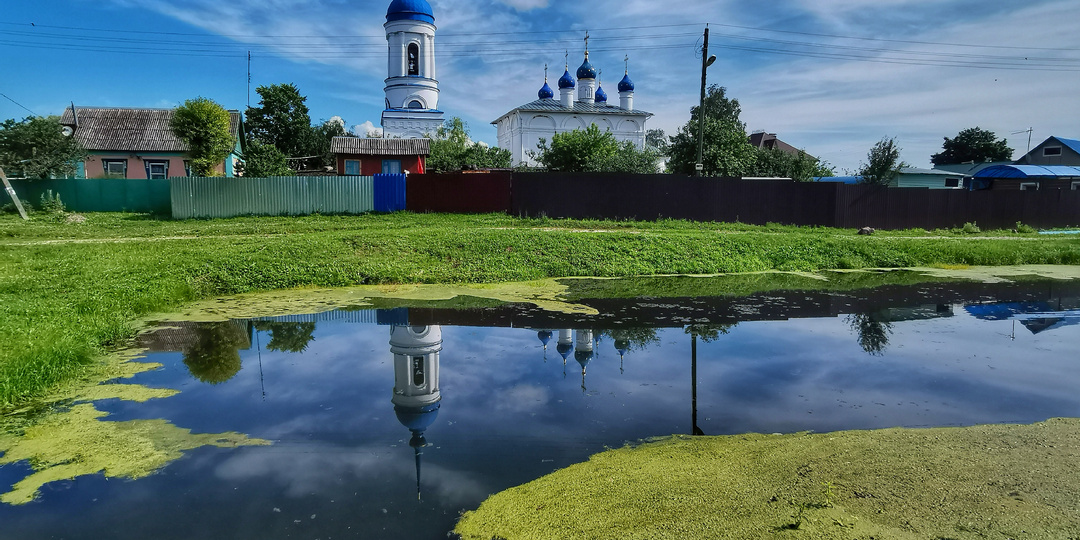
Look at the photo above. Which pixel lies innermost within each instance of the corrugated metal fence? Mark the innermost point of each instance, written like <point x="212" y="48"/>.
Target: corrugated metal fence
<point x="275" y="196"/>
<point x="99" y="194"/>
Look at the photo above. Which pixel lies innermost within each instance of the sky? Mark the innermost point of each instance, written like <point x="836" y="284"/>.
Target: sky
<point x="831" y="77"/>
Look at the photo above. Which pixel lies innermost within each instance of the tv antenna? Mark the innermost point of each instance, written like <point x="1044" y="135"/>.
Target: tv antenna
<point x="1028" y="131"/>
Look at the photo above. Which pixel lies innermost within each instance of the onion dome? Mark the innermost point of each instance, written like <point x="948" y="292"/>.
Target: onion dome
<point x="417" y="419"/>
<point x="544" y="335"/>
<point x="626" y="85"/>
<point x="600" y="96"/>
<point x="622" y="345"/>
<point x="546" y="93"/>
<point x="586" y="71"/>
<point x="567" y="80"/>
<point x="564" y="349"/>
<point x="410" y="10"/>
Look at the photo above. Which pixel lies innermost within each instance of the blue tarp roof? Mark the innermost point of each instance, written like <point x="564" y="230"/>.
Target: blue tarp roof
<point x="1028" y="171"/>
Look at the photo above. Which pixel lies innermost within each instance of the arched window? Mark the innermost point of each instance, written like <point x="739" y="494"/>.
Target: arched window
<point x="414" y="104"/>
<point x="414" y="59"/>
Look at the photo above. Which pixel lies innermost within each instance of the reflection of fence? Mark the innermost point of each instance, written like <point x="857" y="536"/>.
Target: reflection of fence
<point x="100" y="195"/>
<point x="614" y="196"/>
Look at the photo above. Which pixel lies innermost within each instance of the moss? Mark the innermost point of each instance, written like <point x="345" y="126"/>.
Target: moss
<point x="78" y="442"/>
<point x="996" y="481"/>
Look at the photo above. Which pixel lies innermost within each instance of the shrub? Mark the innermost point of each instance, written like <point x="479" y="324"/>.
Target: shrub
<point x="970" y="228"/>
<point x="51" y="203"/>
<point x="1025" y="229"/>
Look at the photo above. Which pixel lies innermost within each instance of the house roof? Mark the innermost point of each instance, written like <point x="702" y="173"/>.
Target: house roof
<point x="939" y="172"/>
<point x="380" y="147"/>
<point x="1071" y="143"/>
<point x="121" y="129"/>
<point x="1028" y="171"/>
<point x="554" y="105"/>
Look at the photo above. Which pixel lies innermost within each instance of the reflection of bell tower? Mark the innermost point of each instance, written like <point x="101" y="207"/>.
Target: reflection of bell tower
<point x="416" y="382"/>
<point x="584" y="352"/>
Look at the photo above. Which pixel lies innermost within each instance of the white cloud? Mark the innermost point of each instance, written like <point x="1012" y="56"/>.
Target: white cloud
<point x="525" y="5"/>
<point x="367" y="129"/>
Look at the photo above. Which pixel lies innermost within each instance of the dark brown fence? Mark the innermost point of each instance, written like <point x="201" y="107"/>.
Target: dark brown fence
<point x="473" y="193"/>
<point x="649" y="197"/>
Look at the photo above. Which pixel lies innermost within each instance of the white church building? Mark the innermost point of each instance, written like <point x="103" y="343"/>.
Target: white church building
<point x="412" y="91"/>
<point x="581" y="102"/>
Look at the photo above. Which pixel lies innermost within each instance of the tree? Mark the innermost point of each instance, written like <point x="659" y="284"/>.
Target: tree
<point x="38" y="148"/>
<point x="656" y="140"/>
<point x="287" y="336"/>
<point x="203" y="126"/>
<point x="882" y="163"/>
<point x="281" y="119"/>
<point x="214" y="356"/>
<point x="319" y="142"/>
<point x="727" y="150"/>
<point x="800" y="167"/>
<point x="593" y="150"/>
<point x="453" y="150"/>
<point x="873" y="331"/>
<point x="973" y="144"/>
<point x="261" y="159"/>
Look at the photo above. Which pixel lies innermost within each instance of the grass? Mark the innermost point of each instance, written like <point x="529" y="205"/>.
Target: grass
<point x="69" y="290"/>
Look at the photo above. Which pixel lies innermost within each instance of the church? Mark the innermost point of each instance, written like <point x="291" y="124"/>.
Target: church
<point x="581" y="102"/>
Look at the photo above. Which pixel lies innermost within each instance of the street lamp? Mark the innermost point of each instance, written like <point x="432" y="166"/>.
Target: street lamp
<point x="706" y="61"/>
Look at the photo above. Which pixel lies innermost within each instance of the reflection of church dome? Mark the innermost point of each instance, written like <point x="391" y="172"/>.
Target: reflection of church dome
<point x="417" y="420"/>
<point x="564" y="349"/>
<point x="411" y="10"/>
<point x="622" y="345"/>
<point x="544" y="336"/>
<point x="582" y="356"/>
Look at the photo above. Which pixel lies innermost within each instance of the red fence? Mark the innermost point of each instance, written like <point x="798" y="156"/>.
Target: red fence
<point x="649" y="197"/>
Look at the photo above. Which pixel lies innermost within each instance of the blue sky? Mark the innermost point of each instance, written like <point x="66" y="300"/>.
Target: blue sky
<point x="829" y="76"/>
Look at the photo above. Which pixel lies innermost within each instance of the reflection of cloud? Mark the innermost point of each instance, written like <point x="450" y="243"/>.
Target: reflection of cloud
<point x="315" y="468"/>
<point x="522" y="398"/>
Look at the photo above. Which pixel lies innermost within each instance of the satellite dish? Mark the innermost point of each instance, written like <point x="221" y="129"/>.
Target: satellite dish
<point x="67" y="131"/>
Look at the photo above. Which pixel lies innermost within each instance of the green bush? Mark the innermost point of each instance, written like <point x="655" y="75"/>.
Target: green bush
<point x="51" y="203"/>
<point x="1025" y="229"/>
<point x="970" y="228"/>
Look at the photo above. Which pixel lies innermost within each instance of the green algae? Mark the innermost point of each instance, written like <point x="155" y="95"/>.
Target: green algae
<point x="994" y="481"/>
<point x="78" y="442"/>
<point x="66" y="436"/>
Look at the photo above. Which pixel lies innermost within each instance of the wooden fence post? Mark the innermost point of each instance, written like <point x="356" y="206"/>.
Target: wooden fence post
<point x="11" y="191"/>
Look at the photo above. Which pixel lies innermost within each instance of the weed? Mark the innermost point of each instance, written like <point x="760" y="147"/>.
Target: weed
<point x="1025" y="229"/>
<point x="970" y="228"/>
<point x="51" y="203"/>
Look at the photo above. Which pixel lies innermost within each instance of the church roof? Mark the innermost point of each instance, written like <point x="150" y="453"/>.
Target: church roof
<point x="411" y="10"/>
<point x="554" y="105"/>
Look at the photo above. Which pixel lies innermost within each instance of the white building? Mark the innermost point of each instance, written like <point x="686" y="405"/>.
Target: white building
<point x="412" y="92"/>
<point x="581" y="103"/>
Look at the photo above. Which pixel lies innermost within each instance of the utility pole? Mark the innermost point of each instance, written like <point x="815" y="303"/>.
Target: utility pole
<point x="249" y="80"/>
<point x="706" y="61"/>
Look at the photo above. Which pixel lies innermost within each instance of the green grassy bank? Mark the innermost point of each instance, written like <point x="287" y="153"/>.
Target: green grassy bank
<point x="70" y="289"/>
<point x="997" y="481"/>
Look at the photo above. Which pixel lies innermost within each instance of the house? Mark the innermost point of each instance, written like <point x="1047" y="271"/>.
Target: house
<point x="1029" y="177"/>
<point x="1053" y="151"/>
<point x="136" y="143"/>
<point x="367" y="157"/>
<point x="928" y="178"/>
<point x="768" y="141"/>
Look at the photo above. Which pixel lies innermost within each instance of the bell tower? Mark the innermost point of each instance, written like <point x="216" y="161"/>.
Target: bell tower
<point x="412" y="91"/>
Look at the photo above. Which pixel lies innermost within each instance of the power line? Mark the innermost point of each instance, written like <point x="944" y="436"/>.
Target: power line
<point x="19" y="104"/>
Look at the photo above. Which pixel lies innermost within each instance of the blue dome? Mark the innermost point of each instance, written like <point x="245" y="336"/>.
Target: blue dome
<point x="566" y="81"/>
<point x="410" y="10"/>
<point x="546" y="93"/>
<point x="626" y="85"/>
<point x="600" y="96"/>
<point x="586" y="71"/>
<point x="417" y="419"/>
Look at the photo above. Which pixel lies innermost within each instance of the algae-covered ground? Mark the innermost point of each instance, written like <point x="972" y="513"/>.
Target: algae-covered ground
<point x="996" y="481"/>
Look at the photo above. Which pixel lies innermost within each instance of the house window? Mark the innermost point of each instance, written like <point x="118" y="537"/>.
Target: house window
<point x="1052" y="151"/>
<point x="187" y="168"/>
<point x="391" y="166"/>
<point x="414" y="59"/>
<point x="1076" y="186"/>
<point x="1029" y="186"/>
<point x="114" y="168"/>
<point x="157" y="169"/>
<point x="352" y="167"/>
<point x="952" y="182"/>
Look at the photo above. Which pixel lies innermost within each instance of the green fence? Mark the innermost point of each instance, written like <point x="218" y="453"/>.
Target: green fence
<point x="275" y="196"/>
<point x="100" y="194"/>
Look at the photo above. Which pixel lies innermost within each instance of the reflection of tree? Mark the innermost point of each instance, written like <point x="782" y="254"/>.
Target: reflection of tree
<point x="631" y="338"/>
<point x="214" y="357"/>
<point x="287" y="336"/>
<point x="873" y="331"/>
<point x="709" y="332"/>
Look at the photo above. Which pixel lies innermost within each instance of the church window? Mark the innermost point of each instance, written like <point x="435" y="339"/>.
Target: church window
<point x="414" y="104"/>
<point x="414" y="59"/>
<point x="418" y="370"/>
